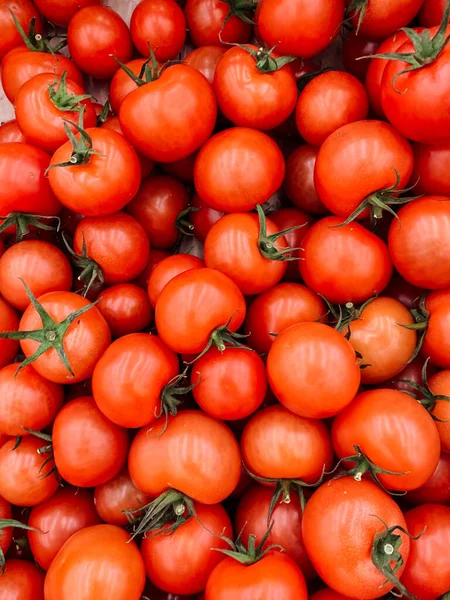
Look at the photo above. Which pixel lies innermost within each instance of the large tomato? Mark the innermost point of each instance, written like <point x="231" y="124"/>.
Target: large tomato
<point x="430" y="174"/>
<point x="117" y="495"/>
<point x="210" y="23"/>
<point x="299" y="180"/>
<point x="9" y="321"/>
<point x="205" y="59"/>
<point x="24" y="11"/>
<point x="169" y="268"/>
<point x="22" y="580"/>
<point x="377" y="19"/>
<point x="60" y="12"/>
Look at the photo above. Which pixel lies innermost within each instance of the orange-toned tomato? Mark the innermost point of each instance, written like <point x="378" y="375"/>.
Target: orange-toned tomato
<point x="22" y="580"/>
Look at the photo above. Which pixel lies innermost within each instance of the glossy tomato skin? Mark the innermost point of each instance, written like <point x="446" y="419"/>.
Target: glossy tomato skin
<point x="58" y="518"/>
<point x="167" y="269"/>
<point x="9" y="321"/>
<point x="10" y="132"/>
<point x="205" y="60"/>
<point x="60" y="13"/>
<point x="437" y="488"/>
<point x="103" y="185"/>
<point x="21" y="471"/>
<point x="180" y="319"/>
<point x="111" y="35"/>
<point x="160" y="24"/>
<point x="382" y="17"/>
<point x="267" y="453"/>
<point x="318" y="353"/>
<point x="429" y="552"/>
<point x="110" y="567"/>
<point x="22" y="580"/>
<point x="206" y="23"/>
<point x="350" y="535"/>
<point x="387" y="425"/>
<point x="182" y="562"/>
<point x="344" y="264"/>
<point x="160" y="102"/>
<point x="274" y="576"/>
<point x="299" y="180"/>
<point x="430" y="169"/>
<point x="122" y="84"/>
<point x="126" y="309"/>
<point x="130" y="402"/>
<point x="440" y="385"/>
<point x="355" y="46"/>
<point x="344" y="175"/>
<point x="156" y="256"/>
<point x="329" y="101"/>
<point x="115" y="496"/>
<point x="208" y="465"/>
<point x="286" y="218"/>
<point x="432" y="12"/>
<point x="312" y="26"/>
<point x="237" y="169"/>
<point x="24" y="11"/>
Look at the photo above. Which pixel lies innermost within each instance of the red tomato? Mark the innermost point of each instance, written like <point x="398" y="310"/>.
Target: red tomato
<point x="22" y="472"/>
<point x="6" y="533"/>
<point x="132" y="402"/>
<point x="10" y="132"/>
<point x="394" y="431"/>
<point x="160" y="25"/>
<point x="237" y="169"/>
<point x="208" y="464"/>
<point x="9" y="321"/>
<point x="439" y="385"/>
<point x="345" y="562"/>
<point x="181" y="320"/>
<point x="354" y="47"/>
<point x="22" y="580"/>
<point x="166" y="270"/>
<point x="299" y="27"/>
<point x="122" y="84"/>
<point x="203" y="218"/>
<point x="432" y="523"/>
<point x="112" y="39"/>
<point x="24" y="11"/>
<point x="156" y="256"/>
<point x="89" y="449"/>
<point x="205" y="60"/>
<point x="207" y="26"/>
<point x="377" y="19"/>
<point x="299" y="180"/>
<point x="115" y="496"/>
<point x="432" y="12"/>
<point x="437" y="488"/>
<point x="346" y="263"/>
<point x="328" y="594"/>
<point x="110" y="566"/>
<point x="57" y="519"/>
<point x="171" y="129"/>
<point x="182" y="561"/>
<point x="60" y="12"/>
<point x="182" y="168"/>
<point x="436" y="341"/>
<point x="126" y="308"/>
<point x="288" y="217"/>
<point x="430" y="169"/>
<point x="406" y="293"/>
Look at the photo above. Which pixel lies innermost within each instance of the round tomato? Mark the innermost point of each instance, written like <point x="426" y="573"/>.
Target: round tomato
<point x="117" y="495"/>
<point x="299" y="180"/>
<point x="126" y="308"/>
<point x="430" y="173"/>
<point x="436" y="326"/>
<point x="10" y="132"/>
<point x="377" y="19"/>
<point x="212" y="22"/>
<point x="287" y="218"/>
<point x="203" y="218"/>
<point x="437" y="488"/>
<point x="182" y="168"/>
<point x="9" y="321"/>
<point x="22" y="580"/>
<point x="24" y="11"/>
<point x="439" y="385"/>
<point x="205" y="60"/>
<point x="328" y="594"/>
<point x="167" y="269"/>
<point x="60" y="12"/>
<point x="122" y="84"/>
<point x="156" y="256"/>
<point x="432" y="12"/>
<point x="354" y="47"/>
<point x="406" y="293"/>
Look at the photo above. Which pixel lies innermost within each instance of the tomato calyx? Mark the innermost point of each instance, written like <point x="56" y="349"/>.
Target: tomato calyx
<point x="184" y="226"/>
<point x="265" y="62"/>
<point x="252" y="553"/>
<point x="5" y="523"/>
<point x="23" y="221"/>
<point x="303" y="81"/>
<point x="169" y="397"/>
<point x="223" y="338"/>
<point x="104" y="115"/>
<point x="240" y="9"/>
<point x="357" y="8"/>
<point x="34" y="41"/>
<point x="91" y="272"/>
<point x="62" y="99"/>
<point x="150" y="70"/>
<point x="267" y="243"/>
<point x="421" y="317"/>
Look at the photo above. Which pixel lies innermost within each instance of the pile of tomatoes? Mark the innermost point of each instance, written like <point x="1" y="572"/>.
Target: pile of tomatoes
<point x="225" y="301"/>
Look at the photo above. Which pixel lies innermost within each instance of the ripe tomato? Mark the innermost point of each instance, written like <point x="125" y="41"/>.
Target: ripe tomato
<point x="156" y="256"/>
<point x="251" y="518"/>
<point x="166" y="270"/>
<point x="180" y="317"/>
<point x="288" y="217"/>
<point x="432" y="12"/>
<point x="299" y="180"/>
<point x="160" y="25"/>
<point x="56" y="520"/>
<point x="115" y="496"/>
<point x="208" y="465"/>
<point x="278" y="444"/>
<point x="182" y="168"/>
<point x="205" y="60"/>
<point x="103" y="184"/>
<point x="377" y="19"/>
<point x="319" y="353"/>
<point x="24" y="478"/>
<point x="85" y="339"/>
<point x="126" y="308"/>
<point x="22" y="580"/>
<point x="182" y="561"/>
<point x="237" y="169"/>
<point x="430" y="171"/>
<point x="328" y="594"/>
<point x="437" y="488"/>
<point x="171" y="130"/>
<point x="299" y="27"/>
<point x="9" y="321"/>
<point x="231" y="385"/>
<point x="329" y="101"/>
<point x="436" y="344"/>
<point x="203" y="218"/>
<point x="112" y="39"/>
<point x="406" y="293"/>
<point x="132" y="402"/>
<point x="344" y="263"/>
<point x="345" y="562"/>
<point x="354" y="47"/>
<point x="432" y="523"/>
<point x="10" y="132"/>
<point x="122" y="84"/>
<point x="274" y="576"/>
<point x="439" y="384"/>
<point x="208" y="23"/>
<point x="358" y="160"/>
<point x="24" y="11"/>
<point x="110" y="567"/>
<point x="6" y="533"/>
<point x="60" y="13"/>
<point x="394" y="431"/>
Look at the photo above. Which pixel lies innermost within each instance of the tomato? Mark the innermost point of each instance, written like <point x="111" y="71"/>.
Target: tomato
<point x="430" y="173"/>
<point x="171" y="130"/>
<point x="328" y="594"/>
<point x="299" y="27"/>
<point x="377" y="19"/>
<point x="167" y="269"/>
<point x="437" y="488"/>
<point x="230" y="385"/>
<point x="328" y="102"/>
<point x="10" y="132"/>
<point x="157" y="206"/>
<point x="22" y="472"/>
<point x="354" y="47"/>
<point x="288" y="217"/>
<point x="182" y="322"/>
<point x="110" y="567"/>
<point x="299" y="180"/>
<point x="203" y="218"/>
<point x="412" y="372"/>
<point x="248" y="95"/>
<point x="103" y="184"/>
<point x="160" y="25"/>
<point x="432" y="523"/>
<point x="22" y="580"/>
<point x="432" y="12"/>
<point x="115" y="496"/>
<point x="274" y="576"/>
<point x="57" y="519"/>
<point x="122" y="84"/>
<point x="126" y="308"/>
<point x="394" y="431"/>
<point x="439" y="385"/>
<point x="156" y="256"/>
<point x="9" y="321"/>
<point x="112" y="39"/>
<point x="205" y="60"/>
<point x="208" y="23"/>
<point x="24" y="11"/>
<point x="237" y="169"/>
<point x="132" y="402"/>
<point x="60" y="13"/>
<point x="6" y="533"/>
<point x="344" y="263"/>
<point x="182" y="168"/>
<point x="437" y="327"/>
<point x="208" y="464"/>
<point x="345" y="562"/>
<point x="406" y="293"/>
<point x="182" y="561"/>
